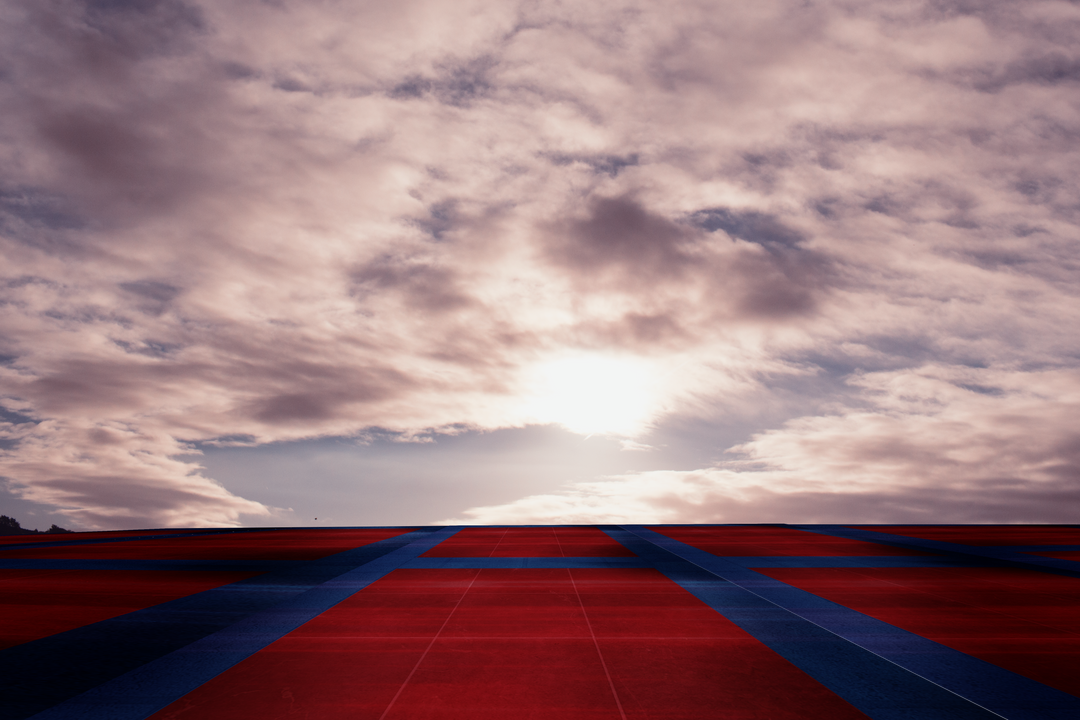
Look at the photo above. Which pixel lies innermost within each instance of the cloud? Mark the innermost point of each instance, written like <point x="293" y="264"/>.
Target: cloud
<point x="104" y="474"/>
<point x="934" y="445"/>
<point x="278" y="221"/>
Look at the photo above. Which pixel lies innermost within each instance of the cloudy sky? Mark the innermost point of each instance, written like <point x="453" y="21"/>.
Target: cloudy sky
<point x="539" y="261"/>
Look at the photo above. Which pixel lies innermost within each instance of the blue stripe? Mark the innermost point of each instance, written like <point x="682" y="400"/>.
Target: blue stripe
<point x="1038" y="548"/>
<point x="878" y="688"/>
<point x="98" y="541"/>
<point x="185" y="565"/>
<point x="524" y="562"/>
<point x="277" y="565"/>
<point x="153" y="686"/>
<point x="157" y="655"/>
<point x="916" y="671"/>
<point x="758" y="562"/>
<point x="1004" y="555"/>
<point x="865" y="561"/>
<point x="39" y="674"/>
<point x="198" y="533"/>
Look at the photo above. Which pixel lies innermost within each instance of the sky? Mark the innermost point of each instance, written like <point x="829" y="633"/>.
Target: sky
<point x="352" y="262"/>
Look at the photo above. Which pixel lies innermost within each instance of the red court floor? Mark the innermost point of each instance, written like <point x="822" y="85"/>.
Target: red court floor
<point x="577" y="622"/>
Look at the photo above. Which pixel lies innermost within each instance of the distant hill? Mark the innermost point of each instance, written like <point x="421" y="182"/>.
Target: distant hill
<point x="11" y="526"/>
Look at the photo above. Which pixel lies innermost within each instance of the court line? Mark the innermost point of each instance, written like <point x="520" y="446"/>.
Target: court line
<point x="592" y="634"/>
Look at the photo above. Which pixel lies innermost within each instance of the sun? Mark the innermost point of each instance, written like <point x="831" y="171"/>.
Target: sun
<point x="593" y="394"/>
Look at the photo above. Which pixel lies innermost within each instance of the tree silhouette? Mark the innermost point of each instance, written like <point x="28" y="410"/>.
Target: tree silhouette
<point x="11" y="526"/>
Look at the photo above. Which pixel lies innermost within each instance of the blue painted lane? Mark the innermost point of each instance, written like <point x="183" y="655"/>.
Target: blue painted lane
<point x="868" y="561"/>
<point x="37" y="675"/>
<point x="1003" y="555"/>
<point x="525" y="562"/>
<point x="939" y="668"/>
<point x="146" y="689"/>
<point x="141" y="565"/>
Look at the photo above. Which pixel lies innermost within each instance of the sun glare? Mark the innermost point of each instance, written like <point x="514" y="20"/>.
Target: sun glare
<point x="594" y="394"/>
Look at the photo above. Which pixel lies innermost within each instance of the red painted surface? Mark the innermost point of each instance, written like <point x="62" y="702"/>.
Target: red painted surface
<point x="1022" y="620"/>
<point x="79" y="536"/>
<point x="1073" y="555"/>
<point x="982" y="535"/>
<point x="672" y="656"/>
<point x="268" y="545"/>
<point x="525" y="643"/>
<point x="38" y="603"/>
<point x="741" y="541"/>
<point x="530" y="542"/>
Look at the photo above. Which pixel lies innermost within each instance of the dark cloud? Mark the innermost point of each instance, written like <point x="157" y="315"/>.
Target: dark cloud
<point x="37" y="209"/>
<point x="105" y="39"/>
<point x="1049" y="69"/>
<point x="290" y="84"/>
<point x="132" y="164"/>
<point x="619" y="238"/>
<point x="324" y="393"/>
<point x="442" y="218"/>
<point x="41" y="219"/>
<point x="645" y="332"/>
<point x="423" y="287"/>
<point x="610" y="165"/>
<point x="295" y="406"/>
<point x="784" y="281"/>
<point x="107" y="144"/>
<point x="150" y="348"/>
<point x="458" y="84"/>
<point x="620" y="244"/>
<point x="125" y="500"/>
<point x="751" y="226"/>
<point x="151" y="290"/>
<point x="84" y="388"/>
<point x="780" y="284"/>
<point x="10" y="416"/>
<point x="413" y="87"/>
<point x="650" y="330"/>
<point x="143" y="25"/>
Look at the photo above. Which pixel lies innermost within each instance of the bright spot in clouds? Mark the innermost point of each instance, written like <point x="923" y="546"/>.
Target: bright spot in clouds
<point x="594" y="394"/>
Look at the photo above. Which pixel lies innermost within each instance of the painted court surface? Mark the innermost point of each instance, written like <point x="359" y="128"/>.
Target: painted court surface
<point x="575" y="622"/>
